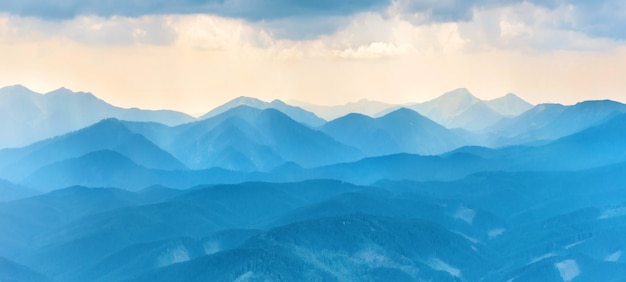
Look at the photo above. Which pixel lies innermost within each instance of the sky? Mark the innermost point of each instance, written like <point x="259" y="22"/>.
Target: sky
<point x="193" y="55"/>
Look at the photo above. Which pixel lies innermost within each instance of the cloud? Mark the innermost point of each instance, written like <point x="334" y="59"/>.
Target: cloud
<point x="91" y="30"/>
<point x="531" y="28"/>
<point x="253" y="10"/>
<point x="309" y="19"/>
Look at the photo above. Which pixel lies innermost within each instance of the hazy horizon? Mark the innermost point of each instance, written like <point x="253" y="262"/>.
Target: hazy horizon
<point x="322" y="53"/>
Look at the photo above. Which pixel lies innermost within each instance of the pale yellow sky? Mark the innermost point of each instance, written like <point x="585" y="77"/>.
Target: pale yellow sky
<point x="193" y="63"/>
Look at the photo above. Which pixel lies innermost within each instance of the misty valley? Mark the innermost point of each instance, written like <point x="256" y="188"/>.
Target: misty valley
<point x="452" y="189"/>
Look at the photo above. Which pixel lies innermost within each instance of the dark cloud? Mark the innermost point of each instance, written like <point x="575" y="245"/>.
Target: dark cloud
<point x="601" y="18"/>
<point x="252" y="10"/>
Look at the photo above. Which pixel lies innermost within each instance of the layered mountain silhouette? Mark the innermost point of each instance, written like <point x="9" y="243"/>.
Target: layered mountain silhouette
<point x="453" y="189"/>
<point x="460" y="109"/>
<point x="402" y="130"/>
<point x="363" y="106"/>
<point x="296" y="113"/>
<point x="246" y="138"/>
<point x="552" y="121"/>
<point x="31" y="116"/>
<point x="109" y="134"/>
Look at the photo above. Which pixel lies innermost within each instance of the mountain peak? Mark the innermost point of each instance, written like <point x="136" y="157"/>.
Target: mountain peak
<point x="403" y="112"/>
<point x="17" y="89"/>
<point x="459" y="93"/>
<point x="509" y="105"/>
<point x="68" y="92"/>
<point x="245" y="100"/>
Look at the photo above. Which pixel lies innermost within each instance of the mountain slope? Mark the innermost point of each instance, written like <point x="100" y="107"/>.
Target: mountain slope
<point x="401" y="131"/>
<point x="35" y="116"/>
<point x="108" y="168"/>
<point x="552" y="121"/>
<point x="353" y="247"/>
<point x="248" y="138"/>
<point x="458" y="108"/>
<point x="109" y="134"/>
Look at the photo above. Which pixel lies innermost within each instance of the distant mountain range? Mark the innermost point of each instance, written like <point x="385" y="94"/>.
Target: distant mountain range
<point x="453" y="189"/>
<point x="364" y="106"/>
<point x="29" y="117"/>
<point x="62" y="111"/>
<point x="296" y="113"/>
<point x="401" y="131"/>
<point x="460" y="109"/>
<point x="247" y="139"/>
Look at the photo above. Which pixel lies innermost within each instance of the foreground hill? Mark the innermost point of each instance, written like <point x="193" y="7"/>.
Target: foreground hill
<point x="489" y="226"/>
<point x="356" y="247"/>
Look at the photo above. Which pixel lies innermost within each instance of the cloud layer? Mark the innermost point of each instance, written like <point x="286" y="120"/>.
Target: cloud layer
<point x="310" y="18"/>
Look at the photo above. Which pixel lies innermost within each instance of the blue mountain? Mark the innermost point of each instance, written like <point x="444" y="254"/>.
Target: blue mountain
<point x="401" y="131"/>
<point x="296" y="113"/>
<point x="34" y="117"/>
<point x="460" y="109"/>
<point x="246" y="138"/>
<point x="363" y="106"/>
<point x="109" y="134"/>
<point x="548" y="122"/>
<point x="509" y="105"/>
<point x="353" y="247"/>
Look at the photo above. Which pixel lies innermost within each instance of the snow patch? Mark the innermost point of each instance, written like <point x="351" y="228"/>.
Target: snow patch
<point x="621" y="211"/>
<point x="614" y="256"/>
<point x="211" y="247"/>
<point x="471" y="239"/>
<point x="465" y="214"/>
<point x="545" y="256"/>
<point x="568" y="269"/>
<point x="173" y="255"/>
<point x="440" y="265"/>
<point x="574" y="244"/>
<point x="372" y="257"/>
<point x="493" y="233"/>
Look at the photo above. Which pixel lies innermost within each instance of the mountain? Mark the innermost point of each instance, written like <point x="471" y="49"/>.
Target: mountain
<point x="347" y="248"/>
<point x="552" y="121"/>
<point x="107" y="168"/>
<point x="393" y="167"/>
<point x="246" y="138"/>
<point x="296" y="113"/>
<point x="32" y="116"/>
<point x="364" y="106"/>
<point x="95" y="238"/>
<point x="509" y="105"/>
<point x="401" y="131"/>
<point x="109" y="134"/>
<point x="458" y="108"/>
